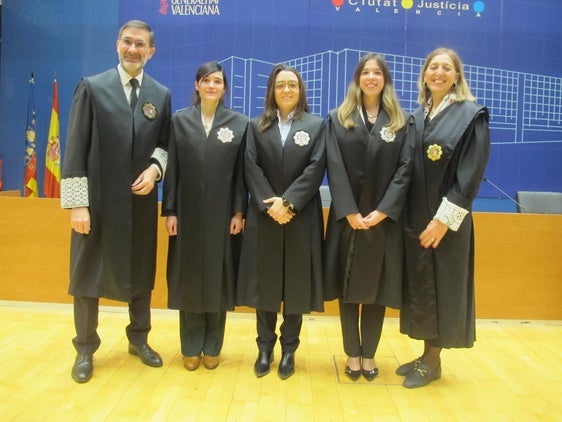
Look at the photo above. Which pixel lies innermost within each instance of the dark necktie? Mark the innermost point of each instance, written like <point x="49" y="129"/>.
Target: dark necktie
<point x="134" y="84"/>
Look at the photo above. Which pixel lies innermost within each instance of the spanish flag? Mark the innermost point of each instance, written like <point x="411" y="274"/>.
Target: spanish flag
<point x="51" y="184"/>
<point x="30" y="174"/>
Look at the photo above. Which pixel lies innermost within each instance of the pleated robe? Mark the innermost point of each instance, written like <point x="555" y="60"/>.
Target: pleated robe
<point x="109" y="146"/>
<point x="283" y="263"/>
<point x="439" y="283"/>
<point x="365" y="173"/>
<point x="204" y="188"/>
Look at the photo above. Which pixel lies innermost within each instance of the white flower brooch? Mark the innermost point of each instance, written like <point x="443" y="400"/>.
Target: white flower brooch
<point x="387" y="135"/>
<point x="301" y="138"/>
<point x="225" y="135"/>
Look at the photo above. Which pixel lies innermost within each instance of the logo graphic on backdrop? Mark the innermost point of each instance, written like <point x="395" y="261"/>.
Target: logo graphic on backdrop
<point x="443" y="7"/>
<point x="190" y="7"/>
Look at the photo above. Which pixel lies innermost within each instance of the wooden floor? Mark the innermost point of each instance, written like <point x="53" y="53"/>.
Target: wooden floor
<point x="514" y="372"/>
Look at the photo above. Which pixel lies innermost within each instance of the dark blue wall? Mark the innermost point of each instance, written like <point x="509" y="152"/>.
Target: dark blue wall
<point x="515" y="40"/>
<point x="62" y="39"/>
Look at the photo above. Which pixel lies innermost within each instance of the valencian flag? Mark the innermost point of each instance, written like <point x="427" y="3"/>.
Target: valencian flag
<point x="30" y="174"/>
<point x="51" y="184"/>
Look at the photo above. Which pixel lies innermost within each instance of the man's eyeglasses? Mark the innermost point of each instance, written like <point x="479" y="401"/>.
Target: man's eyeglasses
<point x="139" y="44"/>
<point x="292" y="85"/>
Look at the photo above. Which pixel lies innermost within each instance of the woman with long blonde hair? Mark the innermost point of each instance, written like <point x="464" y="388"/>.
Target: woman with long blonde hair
<point x="369" y="165"/>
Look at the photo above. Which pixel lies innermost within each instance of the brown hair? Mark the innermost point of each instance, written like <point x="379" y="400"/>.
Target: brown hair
<point x="269" y="114"/>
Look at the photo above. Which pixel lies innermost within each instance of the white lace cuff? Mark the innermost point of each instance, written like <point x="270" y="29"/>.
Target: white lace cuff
<point x="161" y="155"/>
<point x="450" y="214"/>
<point x="74" y="192"/>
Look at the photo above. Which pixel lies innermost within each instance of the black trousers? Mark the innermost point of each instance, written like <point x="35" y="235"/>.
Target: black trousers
<point x="86" y="311"/>
<point x="202" y="333"/>
<point x="290" y="331"/>
<point x="361" y="338"/>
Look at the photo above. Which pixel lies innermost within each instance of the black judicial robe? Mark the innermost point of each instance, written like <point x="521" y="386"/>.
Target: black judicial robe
<point x="204" y="187"/>
<point x="110" y="146"/>
<point x="365" y="173"/>
<point x="283" y="263"/>
<point x="439" y="283"/>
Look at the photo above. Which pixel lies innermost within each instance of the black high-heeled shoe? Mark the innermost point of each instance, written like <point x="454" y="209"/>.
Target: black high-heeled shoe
<point x="351" y="374"/>
<point x="370" y="374"/>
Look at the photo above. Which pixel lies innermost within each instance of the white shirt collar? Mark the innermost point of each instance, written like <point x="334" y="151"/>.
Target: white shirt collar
<point x="289" y="117"/>
<point x="285" y="127"/>
<point x="125" y="77"/>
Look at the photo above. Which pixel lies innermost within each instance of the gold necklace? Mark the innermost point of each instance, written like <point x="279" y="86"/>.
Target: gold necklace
<point x="372" y="116"/>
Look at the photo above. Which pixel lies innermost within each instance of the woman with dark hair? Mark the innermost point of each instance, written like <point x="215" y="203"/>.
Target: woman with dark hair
<point x="281" y="261"/>
<point x="452" y="146"/>
<point x="204" y="200"/>
<point x="369" y="166"/>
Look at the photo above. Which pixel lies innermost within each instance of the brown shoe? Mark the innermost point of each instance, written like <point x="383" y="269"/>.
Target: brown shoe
<point x="191" y="363"/>
<point x="211" y="362"/>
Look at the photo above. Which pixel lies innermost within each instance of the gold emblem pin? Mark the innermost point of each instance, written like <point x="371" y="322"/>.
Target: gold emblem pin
<point x="434" y="152"/>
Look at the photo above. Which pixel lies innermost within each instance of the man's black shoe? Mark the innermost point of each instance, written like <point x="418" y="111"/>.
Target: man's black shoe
<point x="146" y="354"/>
<point x="83" y="368"/>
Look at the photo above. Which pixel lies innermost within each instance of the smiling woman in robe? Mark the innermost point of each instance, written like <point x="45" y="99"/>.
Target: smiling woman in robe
<point x="204" y="199"/>
<point x="452" y="146"/>
<point x="369" y="166"/>
<point x="281" y="262"/>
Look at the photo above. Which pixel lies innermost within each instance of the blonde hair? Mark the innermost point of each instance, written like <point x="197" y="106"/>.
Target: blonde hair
<point x="354" y="96"/>
<point x="460" y="88"/>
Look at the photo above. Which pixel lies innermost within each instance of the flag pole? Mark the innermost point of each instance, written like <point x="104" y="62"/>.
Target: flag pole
<point x="51" y="182"/>
<point x="30" y="173"/>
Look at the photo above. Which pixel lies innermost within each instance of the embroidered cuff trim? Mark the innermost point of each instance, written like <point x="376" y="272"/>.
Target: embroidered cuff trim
<point x="74" y="192"/>
<point x="450" y="214"/>
<point x="161" y="156"/>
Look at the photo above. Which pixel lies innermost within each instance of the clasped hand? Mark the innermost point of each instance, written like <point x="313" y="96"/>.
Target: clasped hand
<point x="358" y="222"/>
<point x="280" y="213"/>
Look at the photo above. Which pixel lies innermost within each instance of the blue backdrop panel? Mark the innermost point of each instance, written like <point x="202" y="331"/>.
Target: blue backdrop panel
<point x="512" y="50"/>
<point x="63" y="39"/>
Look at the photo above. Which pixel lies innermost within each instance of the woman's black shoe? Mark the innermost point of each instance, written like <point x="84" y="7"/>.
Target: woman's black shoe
<point x="370" y="374"/>
<point x="351" y="374"/>
<point x="261" y="366"/>
<point x="286" y="365"/>
<point x="406" y="368"/>
<point x="421" y="376"/>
